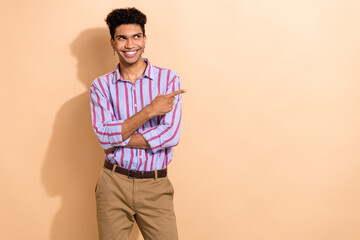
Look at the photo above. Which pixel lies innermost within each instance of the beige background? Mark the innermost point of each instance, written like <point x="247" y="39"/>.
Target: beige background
<point x="270" y="141"/>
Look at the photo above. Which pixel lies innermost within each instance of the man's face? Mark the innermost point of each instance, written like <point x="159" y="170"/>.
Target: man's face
<point x="129" y="43"/>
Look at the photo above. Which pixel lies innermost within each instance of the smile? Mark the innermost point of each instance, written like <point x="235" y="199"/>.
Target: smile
<point x="130" y="54"/>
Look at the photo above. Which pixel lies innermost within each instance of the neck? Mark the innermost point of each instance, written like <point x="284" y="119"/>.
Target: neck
<point x="132" y="72"/>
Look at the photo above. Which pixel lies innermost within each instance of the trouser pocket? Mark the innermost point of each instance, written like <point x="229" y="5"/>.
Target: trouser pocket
<point x="99" y="180"/>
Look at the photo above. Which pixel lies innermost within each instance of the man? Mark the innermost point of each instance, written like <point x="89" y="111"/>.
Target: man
<point x="136" y="115"/>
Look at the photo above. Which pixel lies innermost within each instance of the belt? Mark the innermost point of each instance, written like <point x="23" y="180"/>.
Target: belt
<point x="135" y="174"/>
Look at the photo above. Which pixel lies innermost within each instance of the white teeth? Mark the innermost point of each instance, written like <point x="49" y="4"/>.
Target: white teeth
<point x="130" y="53"/>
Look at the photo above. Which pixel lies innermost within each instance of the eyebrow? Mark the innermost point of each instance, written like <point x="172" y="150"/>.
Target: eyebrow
<point x="132" y="35"/>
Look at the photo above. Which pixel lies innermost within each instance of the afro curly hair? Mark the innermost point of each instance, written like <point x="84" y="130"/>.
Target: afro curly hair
<point x="125" y="16"/>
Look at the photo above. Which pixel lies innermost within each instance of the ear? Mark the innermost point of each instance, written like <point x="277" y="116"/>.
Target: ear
<point x="112" y="43"/>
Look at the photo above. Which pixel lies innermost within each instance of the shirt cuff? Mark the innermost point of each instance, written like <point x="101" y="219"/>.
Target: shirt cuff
<point x="152" y="139"/>
<point x="117" y="139"/>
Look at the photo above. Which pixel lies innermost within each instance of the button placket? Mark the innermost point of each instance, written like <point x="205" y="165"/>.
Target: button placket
<point x="134" y="98"/>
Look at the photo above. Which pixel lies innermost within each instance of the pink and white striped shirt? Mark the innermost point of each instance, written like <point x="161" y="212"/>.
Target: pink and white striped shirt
<point x="114" y="99"/>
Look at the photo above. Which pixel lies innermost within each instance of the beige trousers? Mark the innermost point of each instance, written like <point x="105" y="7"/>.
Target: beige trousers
<point x="121" y="200"/>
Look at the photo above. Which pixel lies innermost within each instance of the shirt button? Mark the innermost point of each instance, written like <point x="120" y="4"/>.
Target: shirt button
<point x="139" y="156"/>
<point x="135" y="105"/>
<point x="134" y="88"/>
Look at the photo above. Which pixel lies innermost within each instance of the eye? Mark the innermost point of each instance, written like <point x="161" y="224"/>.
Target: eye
<point x="120" y="38"/>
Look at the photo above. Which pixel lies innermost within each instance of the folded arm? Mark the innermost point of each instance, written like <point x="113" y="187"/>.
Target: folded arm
<point x="114" y="133"/>
<point x="136" y="141"/>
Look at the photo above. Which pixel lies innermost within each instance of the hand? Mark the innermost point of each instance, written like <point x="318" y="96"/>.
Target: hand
<point x="110" y="150"/>
<point x="163" y="104"/>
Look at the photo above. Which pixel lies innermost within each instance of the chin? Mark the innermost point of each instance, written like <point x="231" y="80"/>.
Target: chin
<point x="130" y="62"/>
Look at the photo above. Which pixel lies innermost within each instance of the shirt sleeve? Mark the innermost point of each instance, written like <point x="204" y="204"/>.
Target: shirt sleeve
<point x="107" y="128"/>
<point x="167" y="133"/>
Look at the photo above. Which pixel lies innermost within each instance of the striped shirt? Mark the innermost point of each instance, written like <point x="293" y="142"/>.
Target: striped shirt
<point x="114" y="99"/>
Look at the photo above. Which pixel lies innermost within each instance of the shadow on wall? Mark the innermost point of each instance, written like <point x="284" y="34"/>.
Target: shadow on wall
<point x="74" y="158"/>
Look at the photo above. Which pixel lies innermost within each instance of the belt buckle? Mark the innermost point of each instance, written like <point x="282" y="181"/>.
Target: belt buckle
<point x="129" y="172"/>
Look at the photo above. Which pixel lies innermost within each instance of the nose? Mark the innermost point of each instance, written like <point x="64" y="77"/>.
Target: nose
<point x="129" y="44"/>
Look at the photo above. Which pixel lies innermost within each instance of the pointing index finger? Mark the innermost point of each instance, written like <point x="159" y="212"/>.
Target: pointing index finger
<point x="173" y="94"/>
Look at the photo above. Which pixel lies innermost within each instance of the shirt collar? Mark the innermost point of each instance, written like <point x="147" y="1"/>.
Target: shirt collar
<point x="148" y="73"/>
